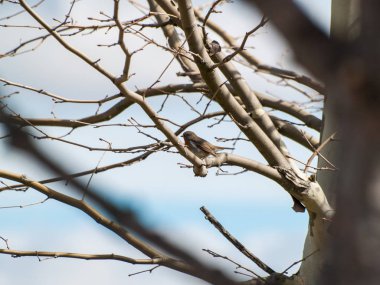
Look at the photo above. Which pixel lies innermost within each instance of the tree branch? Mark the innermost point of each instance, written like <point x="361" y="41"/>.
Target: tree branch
<point x="111" y="256"/>
<point x="235" y="242"/>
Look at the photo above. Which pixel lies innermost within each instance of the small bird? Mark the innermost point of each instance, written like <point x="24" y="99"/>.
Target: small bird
<point x="214" y="48"/>
<point x="199" y="146"/>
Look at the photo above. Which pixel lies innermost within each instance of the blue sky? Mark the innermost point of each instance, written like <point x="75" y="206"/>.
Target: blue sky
<point x="253" y="208"/>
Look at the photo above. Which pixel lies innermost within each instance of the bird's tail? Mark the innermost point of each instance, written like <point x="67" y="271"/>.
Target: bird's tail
<point x="222" y="147"/>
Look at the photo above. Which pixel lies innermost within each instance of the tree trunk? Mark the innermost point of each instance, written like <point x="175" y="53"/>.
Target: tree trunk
<point x="344" y="26"/>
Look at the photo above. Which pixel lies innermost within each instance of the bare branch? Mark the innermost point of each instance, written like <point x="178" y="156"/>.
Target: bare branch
<point x="318" y="152"/>
<point x="22" y="11"/>
<point x="5" y="241"/>
<point x="121" y="43"/>
<point x="235" y="242"/>
<point x="235" y="160"/>
<point x="26" y="205"/>
<point x="144" y="271"/>
<point x="57" y="97"/>
<point x="303" y="259"/>
<point x="111" y="256"/>
<point x="291" y="109"/>
<point x="295" y="134"/>
<point x="238" y="266"/>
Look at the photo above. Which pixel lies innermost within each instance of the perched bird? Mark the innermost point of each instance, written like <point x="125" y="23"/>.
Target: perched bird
<point x="214" y="48"/>
<point x="199" y="146"/>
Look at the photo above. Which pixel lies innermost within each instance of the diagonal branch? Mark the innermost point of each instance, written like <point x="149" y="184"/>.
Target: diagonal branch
<point x="253" y="106"/>
<point x="235" y="242"/>
<point x="295" y="134"/>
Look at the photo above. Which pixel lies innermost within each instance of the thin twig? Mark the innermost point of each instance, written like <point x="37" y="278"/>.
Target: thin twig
<point x="303" y="259"/>
<point x="210" y="11"/>
<point x="143" y="271"/>
<point x="5" y="241"/>
<point x="27" y="205"/>
<point x="318" y="152"/>
<point x="214" y="254"/>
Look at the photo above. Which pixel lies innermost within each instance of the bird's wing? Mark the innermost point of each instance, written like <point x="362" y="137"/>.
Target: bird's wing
<point x="205" y="145"/>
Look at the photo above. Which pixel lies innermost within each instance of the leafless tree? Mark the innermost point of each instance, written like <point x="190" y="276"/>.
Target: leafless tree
<point x="212" y="63"/>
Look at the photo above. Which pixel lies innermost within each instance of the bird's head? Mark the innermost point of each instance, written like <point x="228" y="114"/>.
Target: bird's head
<point x="188" y="135"/>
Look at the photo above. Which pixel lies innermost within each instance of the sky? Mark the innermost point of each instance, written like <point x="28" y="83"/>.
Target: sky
<point x="251" y="207"/>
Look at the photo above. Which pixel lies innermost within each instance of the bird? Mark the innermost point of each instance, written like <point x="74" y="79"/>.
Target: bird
<point x="214" y="48"/>
<point x="200" y="147"/>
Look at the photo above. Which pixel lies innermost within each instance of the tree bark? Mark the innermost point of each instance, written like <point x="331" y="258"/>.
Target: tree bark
<point x="345" y="27"/>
